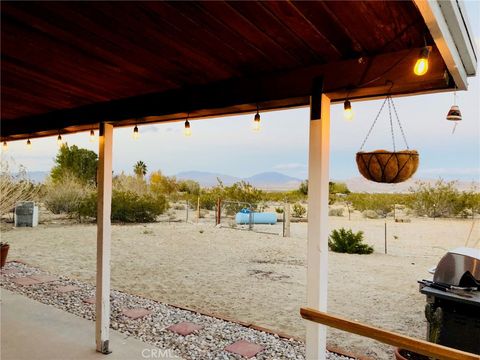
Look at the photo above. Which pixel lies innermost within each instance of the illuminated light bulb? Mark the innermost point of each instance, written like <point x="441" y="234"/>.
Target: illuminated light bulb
<point x="136" y="134"/>
<point x="421" y="66"/>
<point x="29" y="144"/>
<point x="256" y="122"/>
<point x="187" y="131"/>
<point x="5" y="146"/>
<point x="347" y="110"/>
<point x="59" y="140"/>
<point x="92" y="136"/>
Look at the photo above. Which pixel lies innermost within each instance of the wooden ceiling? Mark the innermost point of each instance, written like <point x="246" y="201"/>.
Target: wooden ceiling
<point x="65" y="66"/>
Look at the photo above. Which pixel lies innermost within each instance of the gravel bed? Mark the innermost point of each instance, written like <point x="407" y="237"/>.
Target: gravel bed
<point x="207" y="343"/>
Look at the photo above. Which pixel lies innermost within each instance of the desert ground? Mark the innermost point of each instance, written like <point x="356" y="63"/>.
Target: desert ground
<point x="258" y="277"/>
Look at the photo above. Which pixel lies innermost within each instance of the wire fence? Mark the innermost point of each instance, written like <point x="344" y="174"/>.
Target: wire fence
<point x="224" y="215"/>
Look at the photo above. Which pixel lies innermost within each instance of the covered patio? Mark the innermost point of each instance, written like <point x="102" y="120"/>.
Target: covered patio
<point x="73" y="67"/>
<point x="25" y="335"/>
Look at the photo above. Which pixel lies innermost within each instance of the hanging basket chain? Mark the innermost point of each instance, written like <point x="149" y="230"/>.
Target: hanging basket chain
<point x="373" y="125"/>
<point x="391" y="122"/>
<point x="400" y="124"/>
<point x="391" y="105"/>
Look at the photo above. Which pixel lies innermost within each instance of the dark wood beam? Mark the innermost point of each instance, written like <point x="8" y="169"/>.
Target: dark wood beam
<point x="270" y="91"/>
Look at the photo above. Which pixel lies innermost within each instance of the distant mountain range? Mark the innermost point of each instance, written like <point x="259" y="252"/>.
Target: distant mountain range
<point x="266" y="180"/>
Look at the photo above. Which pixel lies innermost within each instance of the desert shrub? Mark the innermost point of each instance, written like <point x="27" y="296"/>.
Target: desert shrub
<point x="127" y="206"/>
<point x="242" y="192"/>
<point x="370" y="214"/>
<point x="189" y="186"/>
<point x="64" y="195"/>
<point x="208" y="200"/>
<point x="338" y="188"/>
<point x="283" y="196"/>
<point x="346" y="241"/>
<point x="443" y="199"/>
<point x="279" y="210"/>
<point x="161" y="184"/>
<point x="303" y="188"/>
<point x="336" y="212"/>
<point x="298" y="210"/>
<point x="333" y="189"/>
<point x="234" y="198"/>
<point x="130" y="183"/>
<point x="383" y="204"/>
<point x="15" y="188"/>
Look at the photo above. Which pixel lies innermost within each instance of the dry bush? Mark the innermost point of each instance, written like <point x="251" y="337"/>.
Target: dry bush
<point x="336" y="212"/>
<point x="66" y="194"/>
<point x="14" y="188"/>
<point x="128" y="183"/>
<point x="370" y="214"/>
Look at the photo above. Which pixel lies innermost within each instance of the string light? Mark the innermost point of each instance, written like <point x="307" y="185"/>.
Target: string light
<point x="347" y="110"/>
<point x="256" y="121"/>
<point x="136" y="134"/>
<point x="92" y="135"/>
<point x="187" y="131"/>
<point x="29" y="144"/>
<point x="5" y="146"/>
<point x="59" y="141"/>
<point x="421" y="66"/>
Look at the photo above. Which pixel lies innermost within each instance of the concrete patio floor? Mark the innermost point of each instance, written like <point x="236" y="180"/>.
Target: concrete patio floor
<point x="35" y="331"/>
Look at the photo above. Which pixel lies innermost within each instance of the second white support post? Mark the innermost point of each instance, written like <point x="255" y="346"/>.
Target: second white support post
<point x="317" y="248"/>
<point x="104" y="234"/>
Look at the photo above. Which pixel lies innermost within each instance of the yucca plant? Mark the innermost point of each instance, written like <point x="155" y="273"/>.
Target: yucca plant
<point x="346" y="241"/>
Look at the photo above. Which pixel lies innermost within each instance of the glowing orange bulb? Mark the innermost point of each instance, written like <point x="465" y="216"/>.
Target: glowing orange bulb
<point x="421" y="66"/>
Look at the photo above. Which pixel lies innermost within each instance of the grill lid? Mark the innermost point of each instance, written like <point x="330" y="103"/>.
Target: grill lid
<point x="459" y="267"/>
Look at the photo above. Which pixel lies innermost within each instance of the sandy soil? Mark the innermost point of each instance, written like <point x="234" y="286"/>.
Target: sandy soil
<point x="257" y="277"/>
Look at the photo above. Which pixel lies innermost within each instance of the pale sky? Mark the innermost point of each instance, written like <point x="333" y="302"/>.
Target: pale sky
<point x="229" y="146"/>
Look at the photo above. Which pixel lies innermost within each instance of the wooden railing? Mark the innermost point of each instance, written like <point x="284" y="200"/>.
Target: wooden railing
<point x="387" y="337"/>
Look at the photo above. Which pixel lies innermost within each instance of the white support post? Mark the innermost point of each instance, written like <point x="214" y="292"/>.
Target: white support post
<point x="104" y="234"/>
<point x="317" y="248"/>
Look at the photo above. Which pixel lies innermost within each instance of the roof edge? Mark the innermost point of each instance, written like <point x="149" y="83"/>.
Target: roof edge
<point x="449" y="27"/>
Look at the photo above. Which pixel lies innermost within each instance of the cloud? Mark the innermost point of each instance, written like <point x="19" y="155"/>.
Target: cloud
<point x="290" y="166"/>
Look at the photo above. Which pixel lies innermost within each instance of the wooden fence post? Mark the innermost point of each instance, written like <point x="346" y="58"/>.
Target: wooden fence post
<point x="286" y="211"/>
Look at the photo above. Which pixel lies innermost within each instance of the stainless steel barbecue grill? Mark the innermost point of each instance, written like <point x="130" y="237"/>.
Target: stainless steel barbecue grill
<point x="453" y="300"/>
<point x="459" y="267"/>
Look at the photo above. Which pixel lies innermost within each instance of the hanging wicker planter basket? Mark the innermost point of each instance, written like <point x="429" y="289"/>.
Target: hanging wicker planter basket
<point x="385" y="166"/>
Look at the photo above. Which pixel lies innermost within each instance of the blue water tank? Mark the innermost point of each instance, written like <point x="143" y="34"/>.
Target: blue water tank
<point x="243" y="217"/>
